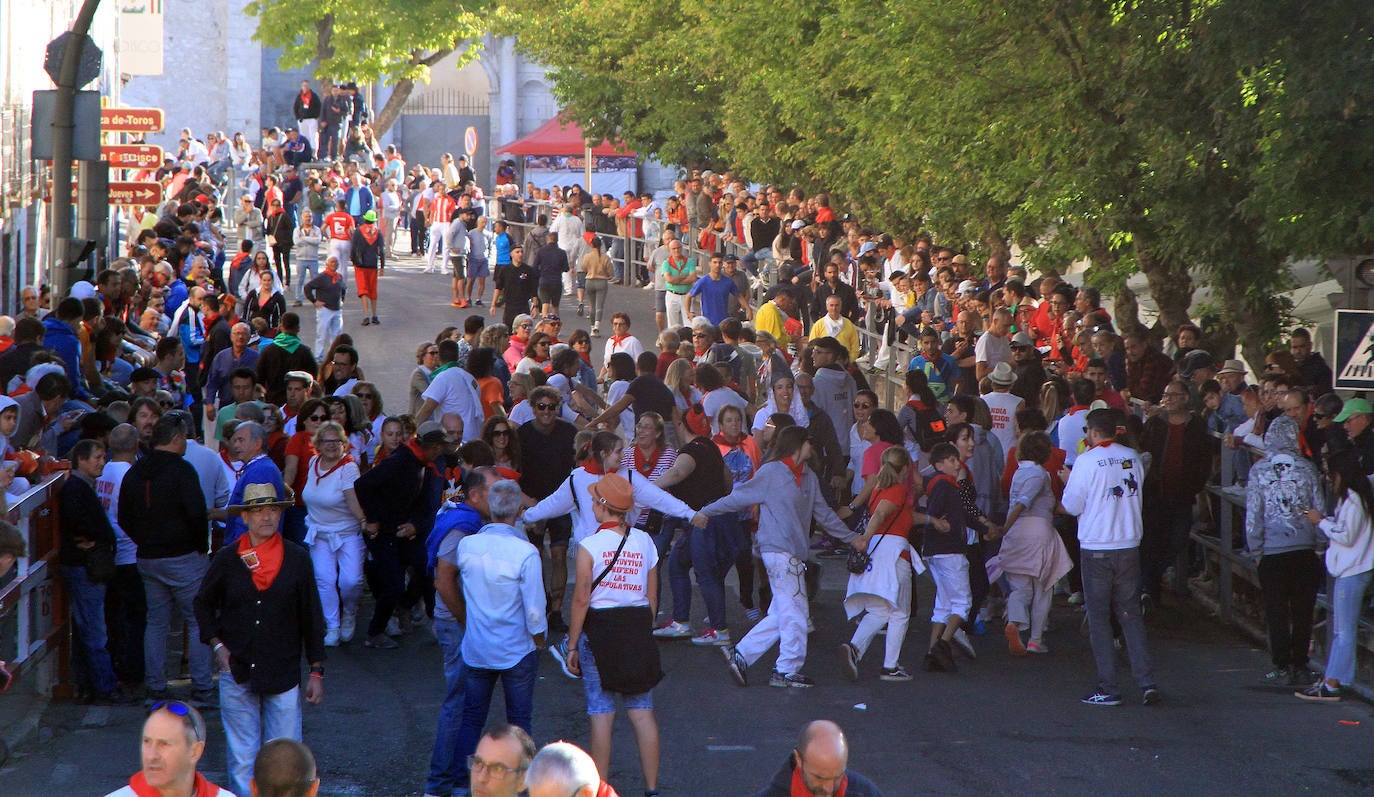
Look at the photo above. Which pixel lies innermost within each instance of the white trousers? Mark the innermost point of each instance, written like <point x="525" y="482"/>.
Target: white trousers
<point x="310" y="131"/>
<point x="1028" y="605"/>
<point x="879" y="613"/>
<point x="785" y="624"/>
<point x="328" y="325"/>
<point x="676" y="304"/>
<point x="438" y="230"/>
<point x="338" y="561"/>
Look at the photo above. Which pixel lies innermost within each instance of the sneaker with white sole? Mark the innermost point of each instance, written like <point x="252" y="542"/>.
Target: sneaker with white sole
<point x="739" y="668"/>
<point x="1320" y="692"/>
<point x="393" y="627"/>
<point x="1036" y="647"/>
<point x="897" y="673"/>
<point x="560" y="655"/>
<point x="964" y="644"/>
<point x="348" y="626"/>
<point x="1076" y="599"/>
<point x="849" y="660"/>
<point x="331" y="638"/>
<point x="790" y="680"/>
<point x="712" y="637"/>
<point x="1101" y="697"/>
<point x="673" y="630"/>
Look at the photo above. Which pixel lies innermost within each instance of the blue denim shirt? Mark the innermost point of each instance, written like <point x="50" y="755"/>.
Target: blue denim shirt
<point x="503" y="587"/>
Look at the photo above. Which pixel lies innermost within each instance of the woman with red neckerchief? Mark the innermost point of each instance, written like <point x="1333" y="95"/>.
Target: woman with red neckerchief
<point x="334" y="521"/>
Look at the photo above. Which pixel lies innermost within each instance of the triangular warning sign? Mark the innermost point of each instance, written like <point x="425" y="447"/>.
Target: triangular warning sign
<point x="1361" y="362"/>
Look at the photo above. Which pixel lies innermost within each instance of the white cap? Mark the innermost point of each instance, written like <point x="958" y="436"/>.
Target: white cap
<point x="967" y="286"/>
<point x="798" y="224"/>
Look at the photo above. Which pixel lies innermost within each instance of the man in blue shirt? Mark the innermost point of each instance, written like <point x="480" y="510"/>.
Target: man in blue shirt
<point x="503" y="611"/>
<point x="715" y="290"/>
<point x="249" y="446"/>
<point x="941" y="370"/>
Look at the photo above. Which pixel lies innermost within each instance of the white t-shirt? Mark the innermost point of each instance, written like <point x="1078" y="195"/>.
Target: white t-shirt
<point x="107" y="487"/>
<point x="1003" y="407"/>
<point x="628" y="582"/>
<point x="346" y="388"/>
<point x="992" y="349"/>
<point x="523" y="413"/>
<point x="630" y="345"/>
<point x="323" y="494"/>
<point x="455" y="390"/>
<point x="1072" y="428"/>
<point x="627" y="415"/>
<point x="720" y="398"/>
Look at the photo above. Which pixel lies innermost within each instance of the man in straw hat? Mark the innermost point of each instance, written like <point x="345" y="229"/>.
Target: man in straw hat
<point x="258" y="609"/>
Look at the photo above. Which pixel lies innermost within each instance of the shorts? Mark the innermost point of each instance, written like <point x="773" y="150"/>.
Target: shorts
<point x="477" y="268"/>
<point x="459" y="265"/>
<point x="559" y="531"/>
<point x="581" y="280"/>
<point x="367" y="281"/>
<point x="600" y="701"/>
<point x="661" y="302"/>
<point x="550" y="294"/>
<point x="953" y="598"/>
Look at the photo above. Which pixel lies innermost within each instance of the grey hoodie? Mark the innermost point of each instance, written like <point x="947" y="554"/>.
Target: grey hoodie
<point x="786" y="509"/>
<point x="1281" y="486"/>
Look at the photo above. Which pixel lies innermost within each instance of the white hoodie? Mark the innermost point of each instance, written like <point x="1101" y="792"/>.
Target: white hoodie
<point x="1352" y="539"/>
<point x="1104" y="492"/>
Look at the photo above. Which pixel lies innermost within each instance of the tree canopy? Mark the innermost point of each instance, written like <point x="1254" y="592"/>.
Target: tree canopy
<point x="1198" y="142"/>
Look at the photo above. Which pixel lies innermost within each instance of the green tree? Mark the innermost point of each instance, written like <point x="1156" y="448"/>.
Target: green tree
<point x="373" y="41"/>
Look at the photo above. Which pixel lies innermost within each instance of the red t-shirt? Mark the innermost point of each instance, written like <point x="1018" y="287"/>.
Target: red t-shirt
<point x="898" y="524"/>
<point x="301" y="446"/>
<point x="339" y="225"/>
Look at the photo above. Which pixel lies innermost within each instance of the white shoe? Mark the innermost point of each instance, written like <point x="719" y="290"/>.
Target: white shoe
<point x="1076" y="599"/>
<point x="331" y="638"/>
<point x="961" y="641"/>
<point x="393" y="627"/>
<point x="348" y="624"/>
<point x="649" y="287"/>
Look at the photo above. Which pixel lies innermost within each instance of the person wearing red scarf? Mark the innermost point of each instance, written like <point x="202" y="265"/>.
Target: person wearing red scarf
<point x="169" y="764"/>
<point x="818" y="767"/>
<point x="259" y="609"/>
<point x="563" y="769"/>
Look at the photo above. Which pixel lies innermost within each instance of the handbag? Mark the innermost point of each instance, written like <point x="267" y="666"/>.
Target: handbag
<point x="622" y="642"/>
<point x="100" y="564"/>
<point x="859" y="562"/>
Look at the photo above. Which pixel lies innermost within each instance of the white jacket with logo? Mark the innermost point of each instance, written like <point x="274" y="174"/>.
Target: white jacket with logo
<point x="1104" y="492"/>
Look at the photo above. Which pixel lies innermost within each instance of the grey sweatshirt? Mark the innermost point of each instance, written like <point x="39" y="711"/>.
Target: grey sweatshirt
<point x="1281" y="486"/>
<point x="785" y="509"/>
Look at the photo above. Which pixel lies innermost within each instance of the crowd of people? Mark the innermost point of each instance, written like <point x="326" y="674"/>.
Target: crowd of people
<point x="220" y="464"/>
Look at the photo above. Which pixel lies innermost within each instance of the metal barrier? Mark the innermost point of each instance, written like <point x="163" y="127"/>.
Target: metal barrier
<point x="33" y="611"/>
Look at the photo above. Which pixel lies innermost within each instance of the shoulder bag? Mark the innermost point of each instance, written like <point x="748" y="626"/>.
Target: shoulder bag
<point x="622" y="642"/>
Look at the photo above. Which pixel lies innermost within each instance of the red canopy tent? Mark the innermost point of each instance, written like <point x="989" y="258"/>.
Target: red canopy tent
<point x="556" y="155"/>
<point x="559" y="136"/>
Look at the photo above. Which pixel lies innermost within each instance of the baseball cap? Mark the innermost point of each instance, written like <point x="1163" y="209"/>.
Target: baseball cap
<point x="431" y="432"/>
<point x="1355" y="406"/>
<point x="798" y="224"/>
<point x="967" y="287"/>
<point x="1023" y="339"/>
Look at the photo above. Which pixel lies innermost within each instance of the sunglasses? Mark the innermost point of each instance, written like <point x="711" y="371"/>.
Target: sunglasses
<point x="545" y="406"/>
<point x="1321" y="416"/>
<point x="166" y="404"/>
<point x="318" y="418"/>
<point x="178" y="708"/>
<point x="500" y="433"/>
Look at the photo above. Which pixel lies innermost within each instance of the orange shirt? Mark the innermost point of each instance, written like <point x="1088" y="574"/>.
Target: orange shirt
<point x="303" y="448"/>
<point x="492" y="394"/>
<point x="339" y="225"/>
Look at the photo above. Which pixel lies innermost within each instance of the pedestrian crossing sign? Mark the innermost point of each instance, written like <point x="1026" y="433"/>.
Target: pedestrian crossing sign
<point x="1355" y="349"/>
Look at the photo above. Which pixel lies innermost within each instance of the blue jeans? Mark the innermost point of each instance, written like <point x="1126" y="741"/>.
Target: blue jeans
<point x="443" y="766"/>
<point x="1346" y="597"/>
<point x="711" y="553"/>
<point x="477" y="686"/>
<point x="251" y="719"/>
<point x="175" y="579"/>
<point x="91" y="660"/>
<point x="1111" y="588"/>
<point x="663" y="542"/>
<point x="303" y="267"/>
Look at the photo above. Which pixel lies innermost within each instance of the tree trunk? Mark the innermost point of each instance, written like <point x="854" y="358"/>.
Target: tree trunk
<point x="390" y="112"/>
<point x="1171" y="287"/>
<point x="1126" y="311"/>
<point x="996" y="243"/>
<point x="324" y="39"/>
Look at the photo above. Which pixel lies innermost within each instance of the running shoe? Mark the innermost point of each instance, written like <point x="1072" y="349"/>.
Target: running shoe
<point x="1151" y="696"/>
<point x="897" y="673"/>
<point x="560" y="655"/>
<point x="1014" y="644"/>
<point x="1036" y="647"/>
<point x="712" y="637"/>
<point x="965" y="644"/>
<point x="739" y="668"/>
<point x="791" y="680"/>
<point x="673" y="630"/>
<point x="849" y="660"/>
<point x="1101" y="697"/>
<point x="1320" y="692"/>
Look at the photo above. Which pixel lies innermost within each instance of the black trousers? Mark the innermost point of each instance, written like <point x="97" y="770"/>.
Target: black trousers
<point x="1290" y="582"/>
<point x="388" y="559"/>
<point x="126" y="616"/>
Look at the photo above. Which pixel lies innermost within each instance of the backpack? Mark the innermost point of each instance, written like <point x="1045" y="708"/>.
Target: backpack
<point x="927" y="428"/>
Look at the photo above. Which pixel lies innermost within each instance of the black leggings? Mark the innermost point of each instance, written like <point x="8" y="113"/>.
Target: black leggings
<point x="386" y="574"/>
<point x="282" y="260"/>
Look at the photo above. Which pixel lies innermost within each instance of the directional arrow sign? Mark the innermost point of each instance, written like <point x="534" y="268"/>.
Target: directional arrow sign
<point x="135" y="193"/>
<point x="133" y="156"/>
<point x="131" y="120"/>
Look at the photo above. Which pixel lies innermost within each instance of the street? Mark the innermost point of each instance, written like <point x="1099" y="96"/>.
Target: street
<point x="998" y="726"/>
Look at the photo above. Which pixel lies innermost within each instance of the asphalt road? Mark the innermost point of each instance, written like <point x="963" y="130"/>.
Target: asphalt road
<point x="998" y="726"/>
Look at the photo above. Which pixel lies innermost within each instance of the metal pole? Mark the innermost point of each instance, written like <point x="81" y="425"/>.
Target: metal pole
<point x="587" y="165"/>
<point x="63" y="128"/>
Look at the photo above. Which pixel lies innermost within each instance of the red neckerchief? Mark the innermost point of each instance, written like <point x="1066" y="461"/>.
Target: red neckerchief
<point x="333" y="276"/>
<point x="305" y="99"/>
<point x="795" y="467"/>
<point x="139" y="784"/>
<point x="370" y="233"/>
<point x="209" y="320"/>
<point x="645" y="465"/>
<point x="319" y="477"/>
<point x="799" y="785"/>
<point x="700" y="352"/>
<point x="918" y="405"/>
<point x="720" y="441"/>
<point x="419" y="454"/>
<point x="1077" y="408"/>
<point x="942" y="477"/>
<point x="611" y="524"/>
<point x="263" y="561"/>
<point x="593" y="467"/>
<point x="619" y="339"/>
<point x="1303" y="445"/>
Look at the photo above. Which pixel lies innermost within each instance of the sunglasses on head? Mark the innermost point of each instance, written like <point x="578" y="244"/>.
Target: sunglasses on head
<point x="179" y="709"/>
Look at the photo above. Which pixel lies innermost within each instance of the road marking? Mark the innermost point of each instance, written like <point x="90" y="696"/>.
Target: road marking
<point x="729" y="748"/>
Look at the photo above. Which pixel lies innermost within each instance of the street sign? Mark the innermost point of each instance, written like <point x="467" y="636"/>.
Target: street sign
<point x="135" y="193"/>
<point x="470" y="141"/>
<point x="133" y="156"/>
<point x="1354" y="349"/>
<point x="131" y="120"/>
<point x="85" y="135"/>
<point x="88" y="62"/>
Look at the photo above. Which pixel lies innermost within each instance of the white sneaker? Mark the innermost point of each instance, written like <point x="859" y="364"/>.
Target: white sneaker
<point x="649" y="287"/>
<point x="331" y="638"/>
<point x="961" y="639"/>
<point x="673" y="630"/>
<point x="348" y="624"/>
<point x="393" y="627"/>
<point x="1076" y="599"/>
<point x="712" y="637"/>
